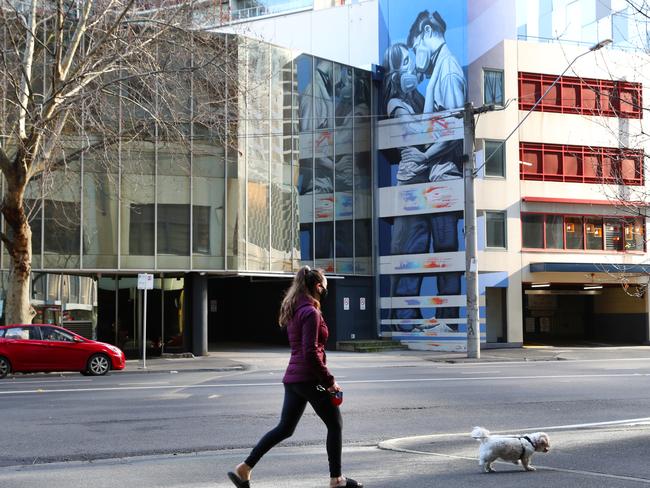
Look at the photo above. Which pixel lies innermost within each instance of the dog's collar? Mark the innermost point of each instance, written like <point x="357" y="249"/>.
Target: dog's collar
<point x="531" y="442"/>
<point x="523" y="448"/>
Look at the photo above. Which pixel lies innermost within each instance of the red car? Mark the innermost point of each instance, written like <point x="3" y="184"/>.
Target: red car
<point x="45" y="347"/>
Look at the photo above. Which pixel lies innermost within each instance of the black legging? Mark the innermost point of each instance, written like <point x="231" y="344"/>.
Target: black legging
<point x="296" y="396"/>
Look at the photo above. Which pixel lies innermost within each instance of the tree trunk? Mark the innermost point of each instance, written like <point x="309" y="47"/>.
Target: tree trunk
<point x="18" y="309"/>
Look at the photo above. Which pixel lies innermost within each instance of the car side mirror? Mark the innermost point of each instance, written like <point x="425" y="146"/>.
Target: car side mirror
<point x="78" y="339"/>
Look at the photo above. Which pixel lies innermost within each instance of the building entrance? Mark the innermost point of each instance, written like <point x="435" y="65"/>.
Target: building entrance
<point x="571" y="314"/>
<point x="121" y="311"/>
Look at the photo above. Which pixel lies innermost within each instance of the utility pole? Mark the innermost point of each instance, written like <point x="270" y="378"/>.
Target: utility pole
<point x="471" y="261"/>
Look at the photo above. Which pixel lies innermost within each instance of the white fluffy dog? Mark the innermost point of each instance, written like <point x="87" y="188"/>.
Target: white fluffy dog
<point x="513" y="448"/>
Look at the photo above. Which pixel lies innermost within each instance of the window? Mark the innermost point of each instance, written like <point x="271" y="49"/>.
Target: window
<point x="21" y="333"/>
<point x="201" y="229"/>
<point x="580" y="95"/>
<point x="532" y="229"/>
<point x="593" y="233"/>
<point x="581" y="164"/>
<point x="554" y="232"/>
<point x="494" y="158"/>
<point x="495" y="229"/>
<point x="173" y="225"/>
<point x="614" y="234"/>
<point x="141" y="230"/>
<point x="493" y="87"/>
<point x="574" y="233"/>
<point x="54" y="334"/>
<point x="62" y="227"/>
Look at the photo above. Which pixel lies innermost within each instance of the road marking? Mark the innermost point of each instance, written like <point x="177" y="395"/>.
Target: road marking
<point x="481" y="372"/>
<point x="145" y="384"/>
<point x="449" y="363"/>
<point x="394" y="445"/>
<point x="47" y="381"/>
<point x="629" y="422"/>
<point x="397" y="380"/>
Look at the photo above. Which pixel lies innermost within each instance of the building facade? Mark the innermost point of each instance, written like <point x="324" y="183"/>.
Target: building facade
<point x="345" y="153"/>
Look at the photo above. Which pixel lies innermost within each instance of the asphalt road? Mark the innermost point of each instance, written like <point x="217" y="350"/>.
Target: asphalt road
<point x="188" y="429"/>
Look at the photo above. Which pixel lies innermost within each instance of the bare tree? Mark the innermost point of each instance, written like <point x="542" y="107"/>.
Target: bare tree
<point x="86" y="76"/>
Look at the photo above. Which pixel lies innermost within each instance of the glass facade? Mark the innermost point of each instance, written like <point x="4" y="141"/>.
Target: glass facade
<point x="284" y="180"/>
<point x="334" y="180"/>
<point x="265" y="167"/>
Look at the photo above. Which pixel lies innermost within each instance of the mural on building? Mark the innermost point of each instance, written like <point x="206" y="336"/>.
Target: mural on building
<point x="422" y="257"/>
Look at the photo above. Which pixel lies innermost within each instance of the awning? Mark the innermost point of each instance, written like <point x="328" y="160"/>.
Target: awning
<point x="588" y="268"/>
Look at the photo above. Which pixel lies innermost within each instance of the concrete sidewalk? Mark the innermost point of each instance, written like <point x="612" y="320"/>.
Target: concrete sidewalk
<point x="241" y="357"/>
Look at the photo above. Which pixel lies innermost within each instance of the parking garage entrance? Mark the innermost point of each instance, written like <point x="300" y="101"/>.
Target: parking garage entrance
<point x="559" y="313"/>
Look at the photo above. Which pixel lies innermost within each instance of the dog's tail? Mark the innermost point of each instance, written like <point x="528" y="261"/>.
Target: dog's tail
<point x="480" y="434"/>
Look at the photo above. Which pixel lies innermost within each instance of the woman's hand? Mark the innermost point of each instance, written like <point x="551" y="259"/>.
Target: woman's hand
<point x="334" y="388"/>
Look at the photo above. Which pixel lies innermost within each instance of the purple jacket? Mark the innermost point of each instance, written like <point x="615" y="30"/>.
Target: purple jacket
<point x="308" y="334"/>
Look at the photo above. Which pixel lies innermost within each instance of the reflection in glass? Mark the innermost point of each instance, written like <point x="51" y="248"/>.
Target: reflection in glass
<point x="283" y="159"/>
<point x="634" y="235"/>
<point x="532" y="230"/>
<point x="555" y="231"/>
<point x="574" y="232"/>
<point x="100" y="202"/>
<point x="137" y="225"/>
<point x="173" y="196"/>
<point x="62" y="219"/>
<point x="257" y="156"/>
<point x="614" y="234"/>
<point x="593" y="233"/>
<point x="208" y="205"/>
<point x="362" y="174"/>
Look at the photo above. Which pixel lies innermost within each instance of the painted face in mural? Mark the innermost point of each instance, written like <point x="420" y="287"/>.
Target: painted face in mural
<point x="344" y="84"/>
<point x="408" y="78"/>
<point x="425" y="45"/>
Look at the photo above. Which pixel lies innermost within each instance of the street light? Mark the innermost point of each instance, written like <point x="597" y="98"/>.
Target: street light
<point x="469" y="174"/>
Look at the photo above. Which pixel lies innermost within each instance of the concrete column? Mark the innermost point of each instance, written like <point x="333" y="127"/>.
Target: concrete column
<point x="199" y="315"/>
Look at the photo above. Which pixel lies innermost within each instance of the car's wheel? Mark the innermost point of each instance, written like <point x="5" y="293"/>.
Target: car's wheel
<point x="98" y="365"/>
<point x="5" y="367"/>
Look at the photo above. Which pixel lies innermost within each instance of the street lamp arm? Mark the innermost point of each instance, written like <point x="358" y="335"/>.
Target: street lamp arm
<point x="593" y="48"/>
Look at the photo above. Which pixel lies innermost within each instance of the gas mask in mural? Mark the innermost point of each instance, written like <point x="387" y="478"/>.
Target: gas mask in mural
<point x="422" y="59"/>
<point x="408" y="82"/>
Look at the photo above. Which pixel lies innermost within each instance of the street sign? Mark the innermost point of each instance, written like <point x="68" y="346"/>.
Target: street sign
<point x="362" y="303"/>
<point x="346" y="303"/>
<point x="145" y="281"/>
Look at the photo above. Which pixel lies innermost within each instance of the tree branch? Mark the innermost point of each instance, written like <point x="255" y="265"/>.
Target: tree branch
<point x="28" y="59"/>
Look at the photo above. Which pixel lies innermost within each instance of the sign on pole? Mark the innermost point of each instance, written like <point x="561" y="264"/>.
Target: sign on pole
<point x="145" y="282"/>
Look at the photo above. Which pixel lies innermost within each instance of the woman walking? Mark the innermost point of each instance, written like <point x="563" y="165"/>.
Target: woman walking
<point x="306" y="380"/>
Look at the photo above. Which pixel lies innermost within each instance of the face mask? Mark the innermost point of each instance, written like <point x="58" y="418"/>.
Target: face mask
<point x="422" y="59"/>
<point x="408" y="82"/>
<point x="323" y="293"/>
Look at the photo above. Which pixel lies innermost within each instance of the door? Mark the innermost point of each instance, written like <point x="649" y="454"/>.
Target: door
<point x="64" y="353"/>
<point x="25" y="348"/>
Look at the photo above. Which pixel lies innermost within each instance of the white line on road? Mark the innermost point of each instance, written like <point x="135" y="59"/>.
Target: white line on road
<point x="481" y="372"/>
<point x="538" y="466"/>
<point x="145" y="384"/>
<point x="395" y="445"/>
<point x="534" y="362"/>
<point x="274" y="384"/>
<point x="47" y="381"/>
